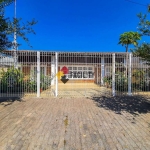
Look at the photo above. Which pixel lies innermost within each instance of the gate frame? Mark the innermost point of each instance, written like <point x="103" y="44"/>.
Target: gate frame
<point x="38" y="74"/>
<point x="113" y="74"/>
<point x="56" y="71"/>
<point x="129" y="75"/>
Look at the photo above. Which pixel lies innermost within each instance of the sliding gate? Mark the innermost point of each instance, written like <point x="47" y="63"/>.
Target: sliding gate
<point x="83" y="74"/>
<point x="76" y="74"/>
<point x="68" y="74"/>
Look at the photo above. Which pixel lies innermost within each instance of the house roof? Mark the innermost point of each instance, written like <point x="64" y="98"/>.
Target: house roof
<point x="6" y="60"/>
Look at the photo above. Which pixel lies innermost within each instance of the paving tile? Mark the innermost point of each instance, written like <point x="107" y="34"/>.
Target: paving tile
<point x="71" y="124"/>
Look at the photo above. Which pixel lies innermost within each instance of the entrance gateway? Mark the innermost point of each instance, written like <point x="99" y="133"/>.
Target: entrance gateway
<point x="48" y="74"/>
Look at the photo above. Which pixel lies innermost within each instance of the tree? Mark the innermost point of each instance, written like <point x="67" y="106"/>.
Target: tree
<point x="143" y="50"/>
<point x="126" y="39"/>
<point x="4" y="3"/>
<point x="4" y="41"/>
<point x="144" y="25"/>
<point x="21" y="28"/>
<point x="10" y="26"/>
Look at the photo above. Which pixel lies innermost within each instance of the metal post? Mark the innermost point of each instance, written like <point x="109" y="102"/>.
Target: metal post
<point x="15" y="40"/>
<point x="102" y="70"/>
<point x="52" y="69"/>
<point x="97" y="75"/>
<point x="56" y="71"/>
<point x="113" y="74"/>
<point x="129" y="74"/>
<point x="38" y="74"/>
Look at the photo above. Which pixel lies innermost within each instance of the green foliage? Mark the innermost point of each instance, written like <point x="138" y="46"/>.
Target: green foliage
<point x="141" y="83"/>
<point x="128" y="38"/>
<point x="138" y="74"/>
<point x="143" y="51"/>
<point x="45" y="82"/>
<point x="11" y="80"/>
<point x="21" y="29"/>
<point x="121" y="82"/>
<point x="141" y="86"/>
<point x="4" y="41"/>
<point x="4" y="3"/>
<point x="31" y="84"/>
<point x="9" y="26"/>
<point x="144" y="24"/>
<point x="107" y="79"/>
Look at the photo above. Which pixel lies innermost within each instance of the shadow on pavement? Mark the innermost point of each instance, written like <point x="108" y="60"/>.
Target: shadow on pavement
<point x="5" y="101"/>
<point x="132" y="104"/>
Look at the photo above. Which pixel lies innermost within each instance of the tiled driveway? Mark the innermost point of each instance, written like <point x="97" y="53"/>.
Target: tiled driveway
<point x="75" y="124"/>
<point x="77" y="90"/>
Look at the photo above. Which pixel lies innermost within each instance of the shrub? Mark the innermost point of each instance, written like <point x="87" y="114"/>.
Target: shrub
<point x="108" y="80"/>
<point x="31" y="84"/>
<point x="11" y="80"/>
<point x="121" y="83"/>
<point x="141" y="86"/>
<point x="141" y="82"/>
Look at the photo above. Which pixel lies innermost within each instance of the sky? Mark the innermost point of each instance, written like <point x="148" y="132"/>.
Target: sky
<point x="78" y="25"/>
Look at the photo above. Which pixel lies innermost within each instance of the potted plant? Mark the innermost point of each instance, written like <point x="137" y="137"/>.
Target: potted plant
<point x="107" y="81"/>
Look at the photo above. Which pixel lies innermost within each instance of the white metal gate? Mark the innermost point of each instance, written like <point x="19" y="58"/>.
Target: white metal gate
<point x="47" y="74"/>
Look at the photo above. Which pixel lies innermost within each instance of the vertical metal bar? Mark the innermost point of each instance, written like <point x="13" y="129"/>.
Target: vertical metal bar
<point x="38" y="74"/>
<point x="97" y="75"/>
<point x="129" y="75"/>
<point x="56" y="71"/>
<point x="52" y="69"/>
<point x="15" y="40"/>
<point x="113" y="74"/>
<point x="102" y="70"/>
<point x="15" y="36"/>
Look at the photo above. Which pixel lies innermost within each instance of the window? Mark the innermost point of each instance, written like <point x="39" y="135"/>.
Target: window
<point x="80" y="72"/>
<point x="42" y="70"/>
<point x="34" y="71"/>
<point x="108" y="70"/>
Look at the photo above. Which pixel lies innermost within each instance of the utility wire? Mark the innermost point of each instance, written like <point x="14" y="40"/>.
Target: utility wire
<point x="136" y="3"/>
